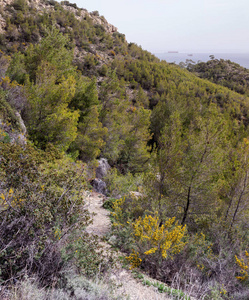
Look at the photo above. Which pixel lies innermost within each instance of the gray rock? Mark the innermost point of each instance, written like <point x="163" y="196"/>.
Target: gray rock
<point x="102" y="169"/>
<point x="99" y="186"/>
<point x="113" y="240"/>
<point x="15" y="136"/>
<point x="136" y="195"/>
<point x="21" y="123"/>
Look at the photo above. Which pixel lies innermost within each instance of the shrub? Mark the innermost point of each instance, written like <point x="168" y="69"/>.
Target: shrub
<point x="130" y="208"/>
<point x="120" y="185"/>
<point x="103" y="70"/>
<point x="90" y="61"/>
<point x="65" y="3"/>
<point x="156" y="241"/>
<point x="6" y="112"/>
<point x="243" y="264"/>
<point x="20" y="5"/>
<point x="14" y="93"/>
<point x="85" y="253"/>
<point x="95" y="13"/>
<point x="41" y="206"/>
<point x="4" y="136"/>
<point x="109" y="204"/>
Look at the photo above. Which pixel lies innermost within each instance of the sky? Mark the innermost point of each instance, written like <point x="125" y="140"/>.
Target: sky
<point x="218" y="26"/>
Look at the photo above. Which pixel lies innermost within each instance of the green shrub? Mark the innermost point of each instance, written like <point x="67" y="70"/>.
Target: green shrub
<point x="4" y="137"/>
<point x="52" y="2"/>
<point x="120" y="185"/>
<point x="103" y="70"/>
<point x="85" y="253"/>
<point x="95" y="13"/>
<point x="67" y="3"/>
<point x="109" y="204"/>
<point x="6" y="112"/>
<point x="20" y="5"/>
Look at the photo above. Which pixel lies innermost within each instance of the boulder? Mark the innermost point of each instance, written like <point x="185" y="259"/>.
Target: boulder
<point x="99" y="186"/>
<point x="102" y="169"/>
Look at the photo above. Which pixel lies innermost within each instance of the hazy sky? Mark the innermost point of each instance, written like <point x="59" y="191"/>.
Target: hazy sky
<point x="178" y="25"/>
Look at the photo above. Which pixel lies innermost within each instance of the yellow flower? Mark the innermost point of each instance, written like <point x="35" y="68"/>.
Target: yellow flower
<point x="166" y="239"/>
<point x="134" y="259"/>
<point x="243" y="267"/>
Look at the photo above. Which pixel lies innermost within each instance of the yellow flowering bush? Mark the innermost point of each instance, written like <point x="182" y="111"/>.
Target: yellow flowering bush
<point x="134" y="259"/>
<point x="161" y="240"/>
<point x="123" y="210"/>
<point x="6" y="81"/>
<point x="9" y="199"/>
<point x="244" y="267"/>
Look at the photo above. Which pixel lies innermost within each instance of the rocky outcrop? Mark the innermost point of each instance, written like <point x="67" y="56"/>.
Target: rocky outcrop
<point x="2" y="24"/>
<point x="98" y="184"/>
<point x="102" y="21"/>
<point x="80" y="13"/>
<point x="9" y="134"/>
<point x="2" y="20"/>
<point x="6" y="2"/>
<point x="103" y="168"/>
<point x="23" y="128"/>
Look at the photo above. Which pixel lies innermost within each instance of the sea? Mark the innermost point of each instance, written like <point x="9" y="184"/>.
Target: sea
<point x="239" y="58"/>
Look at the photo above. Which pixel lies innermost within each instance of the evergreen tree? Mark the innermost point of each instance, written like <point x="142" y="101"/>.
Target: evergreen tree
<point x="190" y="162"/>
<point x="48" y="118"/>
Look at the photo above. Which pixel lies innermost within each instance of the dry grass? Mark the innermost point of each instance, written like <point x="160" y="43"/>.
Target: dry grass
<point x="73" y="287"/>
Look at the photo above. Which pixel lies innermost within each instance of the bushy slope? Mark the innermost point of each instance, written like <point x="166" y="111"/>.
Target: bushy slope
<point x="179" y="140"/>
<point x="224" y="72"/>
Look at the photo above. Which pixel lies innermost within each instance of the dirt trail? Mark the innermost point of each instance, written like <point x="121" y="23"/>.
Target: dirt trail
<point x="101" y="222"/>
<point x="127" y="285"/>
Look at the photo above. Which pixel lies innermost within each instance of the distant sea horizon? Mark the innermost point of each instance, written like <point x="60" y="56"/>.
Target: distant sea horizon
<point x="177" y="57"/>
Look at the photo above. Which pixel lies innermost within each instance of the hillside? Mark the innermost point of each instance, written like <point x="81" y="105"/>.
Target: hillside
<point x="72" y="91"/>
<point x="223" y="72"/>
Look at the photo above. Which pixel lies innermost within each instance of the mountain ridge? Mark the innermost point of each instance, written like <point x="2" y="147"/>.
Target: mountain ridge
<point x="80" y="13"/>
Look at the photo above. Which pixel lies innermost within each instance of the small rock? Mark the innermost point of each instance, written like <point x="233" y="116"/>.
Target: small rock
<point x="112" y="240"/>
<point x="123" y="274"/>
<point x="113" y="277"/>
<point x="21" y="123"/>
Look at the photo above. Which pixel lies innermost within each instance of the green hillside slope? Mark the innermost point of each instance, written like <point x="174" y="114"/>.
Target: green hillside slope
<point x="180" y="142"/>
<point x="224" y="72"/>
